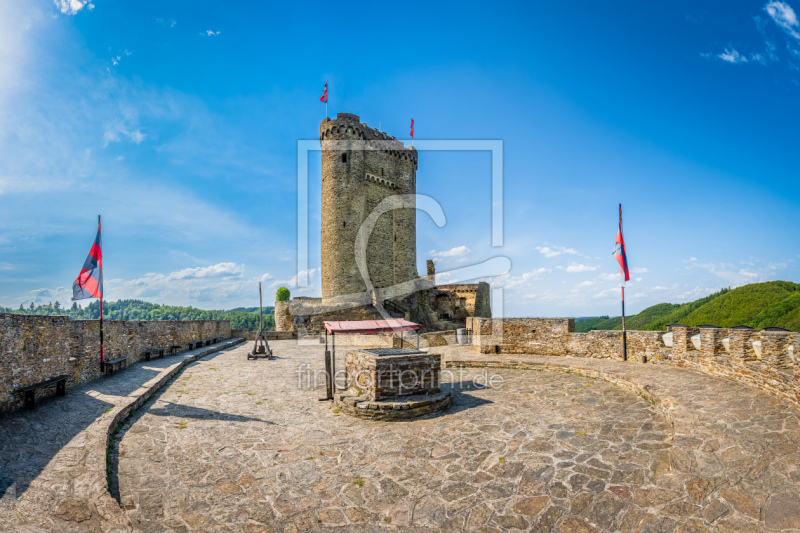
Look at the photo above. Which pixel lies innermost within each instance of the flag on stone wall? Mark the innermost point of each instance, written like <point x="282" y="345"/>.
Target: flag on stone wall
<point x="619" y="250"/>
<point x="90" y="281"/>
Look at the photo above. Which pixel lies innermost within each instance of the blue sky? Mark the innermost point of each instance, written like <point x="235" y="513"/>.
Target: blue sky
<point x="179" y="121"/>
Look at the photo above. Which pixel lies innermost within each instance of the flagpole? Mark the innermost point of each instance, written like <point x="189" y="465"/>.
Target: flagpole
<point x="622" y="287"/>
<point x="102" y="350"/>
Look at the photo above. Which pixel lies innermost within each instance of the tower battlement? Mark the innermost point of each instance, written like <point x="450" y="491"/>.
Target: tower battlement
<point x="348" y="127"/>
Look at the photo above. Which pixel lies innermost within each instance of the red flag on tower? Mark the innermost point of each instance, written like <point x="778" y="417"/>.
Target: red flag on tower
<point x="412" y="129"/>
<point x="324" y="97"/>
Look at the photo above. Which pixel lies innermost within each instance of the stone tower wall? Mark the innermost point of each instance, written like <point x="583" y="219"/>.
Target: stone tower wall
<point x="362" y="167"/>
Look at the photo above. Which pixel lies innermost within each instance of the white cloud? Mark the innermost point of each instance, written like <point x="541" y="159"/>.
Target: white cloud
<point x="731" y="55"/>
<point x="609" y="277"/>
<point x="213" y="271"/>
<point x="784" y="16"/>
<point x="458" y="251"/>
<point x="638" y="270"/>
<point x="576" y="267"/>
<point x="216" y="286"/>
<point x="71" y="7"/>
<point x="554" y="251"/>
<point x="118" y="131"/>
<point x="210" y="33"/>
<point x="748" y="274"/>
<point x="508" y="281"/>
<point x="292" y="282"/>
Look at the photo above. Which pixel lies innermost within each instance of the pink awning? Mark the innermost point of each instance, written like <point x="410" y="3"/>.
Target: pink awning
<point x="370" y="326"/>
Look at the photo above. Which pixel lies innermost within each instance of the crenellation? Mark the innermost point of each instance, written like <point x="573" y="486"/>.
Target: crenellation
<point x="777" y="370"/>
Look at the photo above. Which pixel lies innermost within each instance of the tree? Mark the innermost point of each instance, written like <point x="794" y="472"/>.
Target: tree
<point x="57" y="306"/>
<point x="282" y="295"/>
<point x="21" y="308"/>
<point x="32" y="306"/>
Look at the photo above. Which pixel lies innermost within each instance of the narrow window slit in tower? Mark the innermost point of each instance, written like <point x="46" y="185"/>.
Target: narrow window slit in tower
<point x="344" y="158"/>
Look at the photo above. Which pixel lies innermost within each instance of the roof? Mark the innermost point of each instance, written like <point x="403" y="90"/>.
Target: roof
<point x="370" y="326"/>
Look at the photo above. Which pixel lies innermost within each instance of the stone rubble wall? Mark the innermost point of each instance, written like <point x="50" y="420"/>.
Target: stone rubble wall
<point x="379" y="377"/>
<point x="774" y="370"/>
<point x="35" y="348"/>
<point x="476" y="297"/>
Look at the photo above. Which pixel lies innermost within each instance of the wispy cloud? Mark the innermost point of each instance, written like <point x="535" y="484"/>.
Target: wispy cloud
<point x="784" y="16"/>
<point x="508" y="281"/>
<point x="213" y="271"/>
<point x="71" y="7"/>
<point x="456" y="252"/>
<point x="168" y="23"/>
<point x="554" y="251"/>
<point x="734" y="57"/>
<point x="210" y="33"/>
<point x="576" y="267"/>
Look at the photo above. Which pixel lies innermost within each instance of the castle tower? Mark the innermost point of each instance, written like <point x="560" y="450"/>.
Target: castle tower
<point x="360" y="168"/>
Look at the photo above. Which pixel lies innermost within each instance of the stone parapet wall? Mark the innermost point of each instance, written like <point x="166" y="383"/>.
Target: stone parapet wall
<point x="522" y="335"/>
<point x="775" y="370"/>
<point x="35" y="348"/>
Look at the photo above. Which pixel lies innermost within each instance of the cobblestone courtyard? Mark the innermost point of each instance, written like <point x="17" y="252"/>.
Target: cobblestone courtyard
<point x="240" y="445"/>
<point x="559" y="444"/>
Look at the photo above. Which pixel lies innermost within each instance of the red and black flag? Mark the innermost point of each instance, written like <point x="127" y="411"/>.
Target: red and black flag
<point x="412" y="129"/>
<point x="619" y="250"/>
<point x="90" y="281"/>
<point x="324" y="97"/>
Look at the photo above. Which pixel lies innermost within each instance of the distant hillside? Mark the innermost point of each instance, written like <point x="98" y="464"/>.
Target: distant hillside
<point x="774" y="303"/>
<point x="241" y="318"/>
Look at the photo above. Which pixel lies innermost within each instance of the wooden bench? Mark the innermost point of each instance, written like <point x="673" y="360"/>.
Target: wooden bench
<point x="149" y="353"/>
<point x="122" y="361"/>
<point x="174" y="349"/>
<point x="195" y="344"/>
<point x="29" y="392"/>
<point x="207" y="342"/>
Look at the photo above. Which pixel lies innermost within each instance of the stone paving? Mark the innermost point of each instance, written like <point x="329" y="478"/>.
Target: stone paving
<point x="52" y="459"/>
<point x="237" y="445"/>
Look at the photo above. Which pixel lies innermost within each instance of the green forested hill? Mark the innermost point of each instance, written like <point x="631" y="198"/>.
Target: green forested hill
<point x="774" y="303"/>
<point x="241" y="318"/>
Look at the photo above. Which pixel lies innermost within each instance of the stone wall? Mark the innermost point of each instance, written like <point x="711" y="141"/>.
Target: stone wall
<point x="758" y="357"/>
<point x="379" y="377"/>
<point x="34" y="348"/>
<point x="476" y="297"/>
<point x="522" y="335"/>
<point x="283" y="316"/>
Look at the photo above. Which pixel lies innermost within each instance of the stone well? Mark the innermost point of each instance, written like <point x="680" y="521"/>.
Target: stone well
<point x="391" y="383"/>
